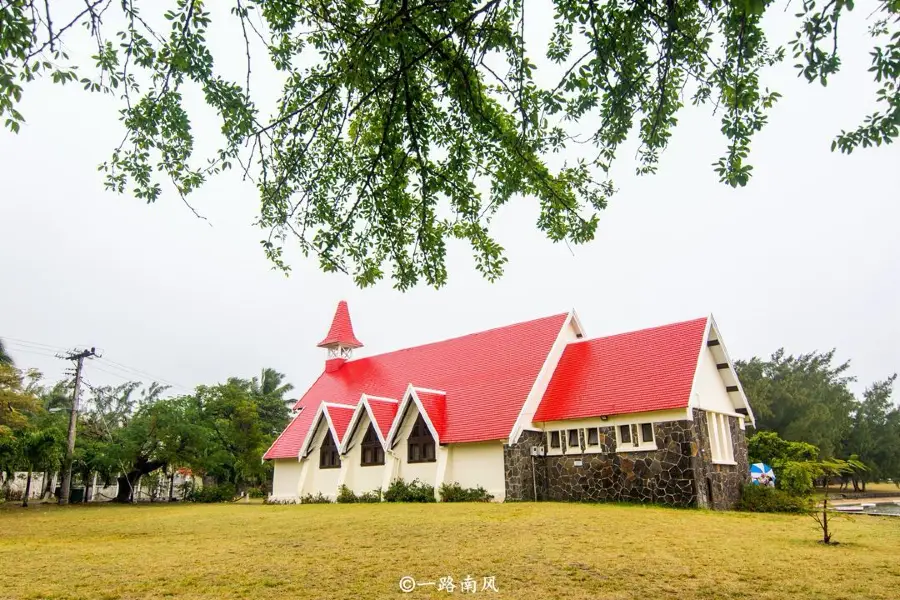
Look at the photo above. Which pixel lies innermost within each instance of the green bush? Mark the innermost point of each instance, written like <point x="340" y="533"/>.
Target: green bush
<point x="414" y="491"/>
<point x="212" y="493"/>
<point x="454" y="492"/>
<point x="796" y="478"/>
<point x="257" y="492"/>
<point x="758" y="498"/>
<point x="346" y="496"/>
<point x="317" y="499"/>
<point x="370" y="497"/>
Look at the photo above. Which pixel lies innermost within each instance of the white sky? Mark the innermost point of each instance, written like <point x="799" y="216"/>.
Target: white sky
<point x="805" y="257"/>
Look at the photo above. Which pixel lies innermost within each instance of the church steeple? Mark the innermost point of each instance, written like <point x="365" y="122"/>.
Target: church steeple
<point x="340" y="340"/>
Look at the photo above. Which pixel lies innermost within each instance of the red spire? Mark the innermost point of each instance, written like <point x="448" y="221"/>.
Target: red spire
<point x="341" y="331"/>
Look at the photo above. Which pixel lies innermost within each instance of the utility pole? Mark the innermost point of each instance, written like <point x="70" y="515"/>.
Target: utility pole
<point x="73" y="420"/>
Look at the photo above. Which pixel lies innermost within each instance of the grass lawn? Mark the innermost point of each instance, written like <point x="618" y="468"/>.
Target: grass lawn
<point x="572" y="551"/>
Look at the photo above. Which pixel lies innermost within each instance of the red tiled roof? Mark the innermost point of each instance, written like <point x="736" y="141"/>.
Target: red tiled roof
<point x="341" y="330"/>
<point x="340" y="418"/>
<point x="384" y="413"/>
<point x="435" y="406"/>
<point x="650" y="369"/>
<point x="287" y="445"/>
<point x="486" y="376"/>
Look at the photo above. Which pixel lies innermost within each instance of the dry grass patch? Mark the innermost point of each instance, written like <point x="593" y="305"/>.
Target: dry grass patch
<point x="573" y="551"/>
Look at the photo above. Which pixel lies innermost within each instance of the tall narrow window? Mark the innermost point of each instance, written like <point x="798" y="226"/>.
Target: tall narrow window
<point x="646" y="433"/>
<point x="554" y="439"/>
<point x="593" y="437"/>
<point x="572" y="442"/>
<point x="420" y="446"/>
<point x="372" y="452"/>
<point x="329" y="457"/>
<point x="625" y="434"/>
<point x="720" y="443"/>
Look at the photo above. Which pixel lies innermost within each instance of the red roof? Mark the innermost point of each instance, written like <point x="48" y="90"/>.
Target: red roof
<point x="383" y="412"/>
<point x="341" y="331"/>
<point x="340" y="418"/>
<point x="650" y="369"/>
<point x="435" y="405"/>
<point x="486" y="377"/>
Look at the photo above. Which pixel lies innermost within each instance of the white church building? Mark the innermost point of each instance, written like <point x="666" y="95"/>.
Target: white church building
<point x="529" y="411"/>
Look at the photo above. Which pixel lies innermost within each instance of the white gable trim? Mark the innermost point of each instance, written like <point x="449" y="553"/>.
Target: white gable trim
<point x="703" y="339"/>
<point x="542" y="380"/>
<point x="738" y="398"/>
<point x="322" y="411"/>
<point x="381" y="399"/>
<point x="411" y="396"/>
<point x="364" y="405"/>
<point x="357" y="413"/>
<point x="339" y="405"/>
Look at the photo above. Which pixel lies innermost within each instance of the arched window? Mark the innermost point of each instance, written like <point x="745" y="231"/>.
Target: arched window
<point x="372" y="452"/>
<point x="420" y="445"/>
<point x="329" y="457"/>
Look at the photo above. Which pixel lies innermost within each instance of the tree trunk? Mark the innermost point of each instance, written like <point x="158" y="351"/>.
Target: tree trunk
<point x="47" y="485"/>
<point x="27" y="488"/>
<point x="129" y="481"/>
<point x="172" y="485"/>
<point x="126" y="482"/>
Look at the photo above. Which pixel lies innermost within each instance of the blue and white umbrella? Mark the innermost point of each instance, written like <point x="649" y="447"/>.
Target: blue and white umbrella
<point x="762" y="474"/>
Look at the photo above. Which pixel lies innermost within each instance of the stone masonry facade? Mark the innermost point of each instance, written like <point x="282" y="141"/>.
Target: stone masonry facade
<point x="679" y="473"/>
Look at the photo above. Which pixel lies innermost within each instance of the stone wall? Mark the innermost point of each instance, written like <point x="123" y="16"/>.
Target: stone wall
<point x="661" y="476"/>
<point x="719" y="486"/>
<point x="522" y="469"/>
<point x="679" y="473"/>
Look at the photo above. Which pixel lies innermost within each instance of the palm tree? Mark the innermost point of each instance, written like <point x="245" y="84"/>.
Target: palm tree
<point x="5" y="358"/>
<point x="269" y="384"/>
<point x="38" y="450"/>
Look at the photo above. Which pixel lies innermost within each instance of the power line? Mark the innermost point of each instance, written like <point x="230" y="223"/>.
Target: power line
<point x="27" y="350"/>
<point x="126" y="368"/>
<point x="41" y="349"/>
<point x="7" y="338"/>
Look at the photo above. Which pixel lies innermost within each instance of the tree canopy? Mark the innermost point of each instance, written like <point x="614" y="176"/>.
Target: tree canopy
<point x="805" y="410"/>
<point x="404" y="123"/>
<point x="132" y="430"/>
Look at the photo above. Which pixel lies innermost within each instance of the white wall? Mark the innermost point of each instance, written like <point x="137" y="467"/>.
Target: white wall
<point x="478" y="464"/>
<point x="709" y="388"/>
<point x="358" y="478"/>
<point x="286" y="480"/>
<point x="316" y="480"/>
<point x="426" y="472"/>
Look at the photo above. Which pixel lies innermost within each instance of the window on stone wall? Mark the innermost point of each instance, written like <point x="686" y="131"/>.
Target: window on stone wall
<point x="329" y="457"/>
<point x="572" y="441"/>
<point x="720" y="443"/>
<point x="372" y="452"/>
<point x="624" y="435"/>
<point x="555" y="439"/>
<point x="646" y="433"/>
<point x="635" y="436"/>
<point x="420" y="445"/>
<point x="593" y="437"/>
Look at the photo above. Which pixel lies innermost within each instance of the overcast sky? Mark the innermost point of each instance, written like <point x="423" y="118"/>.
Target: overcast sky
<point x="805" y="257"/>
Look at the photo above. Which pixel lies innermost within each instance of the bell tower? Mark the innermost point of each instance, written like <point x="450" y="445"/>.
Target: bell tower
<point x="340" y="341"/>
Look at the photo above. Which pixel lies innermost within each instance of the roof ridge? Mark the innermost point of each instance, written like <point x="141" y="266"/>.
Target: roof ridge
<point x="458" y="337"/>
<point x="641" y="330"/>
